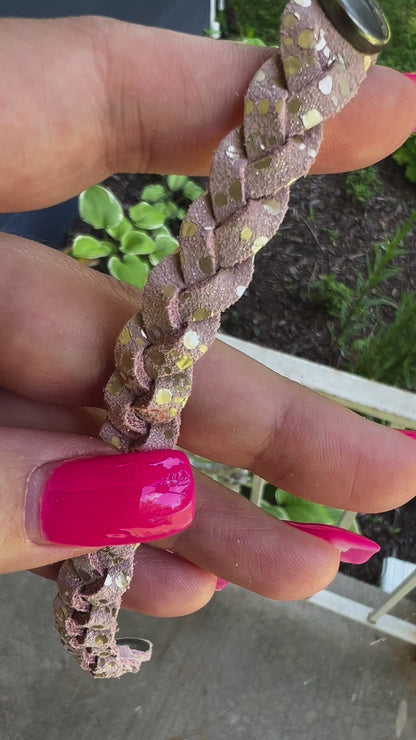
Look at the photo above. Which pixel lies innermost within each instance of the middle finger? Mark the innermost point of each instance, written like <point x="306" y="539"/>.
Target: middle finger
<point x="239" y="412"/>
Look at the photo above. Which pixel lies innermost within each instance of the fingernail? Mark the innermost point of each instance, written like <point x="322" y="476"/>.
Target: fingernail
<point x="110" y="499"/>
<point x="354" y="548"/>
<point x="221" y="584"/>
<point x="408" y="432"/>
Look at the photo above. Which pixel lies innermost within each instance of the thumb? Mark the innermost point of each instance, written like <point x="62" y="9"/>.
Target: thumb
<point x="62" y="495"/>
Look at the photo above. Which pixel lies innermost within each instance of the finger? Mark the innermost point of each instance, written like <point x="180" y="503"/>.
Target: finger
<point x="380" y="95"/>
<point x="19" y="412"/>
<point x="294" y="438"/>
<point x="22" y="451"/>
<point x="163" y="584"/>
<point x="134" y="103"/>
<point x="56" y="344"/>
<point x="272" y="559"/>
<point x="239" y="412"/>
<point x="242" y="544"/>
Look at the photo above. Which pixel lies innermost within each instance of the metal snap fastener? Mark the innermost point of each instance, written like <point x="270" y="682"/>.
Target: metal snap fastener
<point x="361" y="22"/>
<point x="135" y="643"/>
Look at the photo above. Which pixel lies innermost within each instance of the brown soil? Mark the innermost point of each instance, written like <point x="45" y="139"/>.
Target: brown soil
<point x="325" y="231"/>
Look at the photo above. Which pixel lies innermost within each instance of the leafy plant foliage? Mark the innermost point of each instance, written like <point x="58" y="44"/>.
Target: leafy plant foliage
<point x="406" y="156"/>
<point x="131" y="244"/>
<point x="363" y="184"/>
<point x="262" y="20"/>
<point x="384" y="353"/>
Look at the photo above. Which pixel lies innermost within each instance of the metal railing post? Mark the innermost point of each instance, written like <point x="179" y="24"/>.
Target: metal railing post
<point x="399" y="593"/>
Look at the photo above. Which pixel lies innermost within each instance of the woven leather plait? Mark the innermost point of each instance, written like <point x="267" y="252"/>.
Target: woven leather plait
<point x="312" y="75"/>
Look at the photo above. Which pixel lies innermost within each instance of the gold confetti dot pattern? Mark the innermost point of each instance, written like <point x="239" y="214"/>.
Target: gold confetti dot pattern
<point x="188" y="228"/>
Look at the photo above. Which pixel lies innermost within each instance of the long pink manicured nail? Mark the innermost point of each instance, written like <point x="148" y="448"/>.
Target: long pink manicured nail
<point x="110" y="499"/>
<point x="354" y="548"/>
<point x="408" y="432"/>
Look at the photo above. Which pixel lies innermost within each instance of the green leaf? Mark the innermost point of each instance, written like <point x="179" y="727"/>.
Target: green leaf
<point x="153" y="193"/>
<point x="164" y="245"/>
<point x="176" y="182"/>
<point x="123" y="227"/>
<point x="161" y="231"/>
<point x="130" y="269"/>
<point x="192" y="190"/>
<point x="100" y="208"/>
<point x="406" y="156"/>
<point x="155" y="258"/>
<point x="168" y="208"/>
<point x="253" y="42"/>
<point x="89" y="248"/>
<point x="411" y="171"/>
<point x="167" y="244"/>
<point x="137" y="242"/>
<point x="276" y="511"/>
<point x="300" y="510"/>
<point x="146" y="216"/>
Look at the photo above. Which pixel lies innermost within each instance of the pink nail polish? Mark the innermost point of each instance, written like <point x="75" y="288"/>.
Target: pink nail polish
<point x="354" y="548"/>
<point x="408" y="433"/>
<point x="110" y="499"/>
<point x="221" y="584"/>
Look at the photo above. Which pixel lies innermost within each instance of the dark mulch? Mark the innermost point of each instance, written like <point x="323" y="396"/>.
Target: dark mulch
<point x="325" y="231"/>
<point x="395" y="531"/>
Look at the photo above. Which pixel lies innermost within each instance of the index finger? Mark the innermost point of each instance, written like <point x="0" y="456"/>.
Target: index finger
<point x="86" y="97"/>
<point x="239" y="412"/>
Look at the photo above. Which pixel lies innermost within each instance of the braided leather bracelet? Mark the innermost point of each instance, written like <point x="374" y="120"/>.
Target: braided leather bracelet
<point x="326" y="48"/>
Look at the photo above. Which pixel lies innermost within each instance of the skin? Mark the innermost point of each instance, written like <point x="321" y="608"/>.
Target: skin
<point x="59" y="320"/>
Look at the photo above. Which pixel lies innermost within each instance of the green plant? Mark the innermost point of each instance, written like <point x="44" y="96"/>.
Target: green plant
<point x="401" y="52"/>
<point x="310" y="218"/>
<point x="406" y="156"/>
<point x="261" y="19"/>
<point x="129" y="246"/>
<point x="249" y="37"/>
<point x="264" y="18"/>
<point x="294" y="509"/>
<point x="363" y="184"/>
<point x="389" y="353"/>
<point x="332" y="234"/>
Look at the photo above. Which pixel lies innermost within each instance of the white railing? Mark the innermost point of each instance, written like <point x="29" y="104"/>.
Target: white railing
<point x="391" y="405"/>
<point x="215" y="6"/>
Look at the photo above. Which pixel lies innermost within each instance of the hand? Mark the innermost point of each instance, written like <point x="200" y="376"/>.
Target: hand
<point x="87" y="97"/>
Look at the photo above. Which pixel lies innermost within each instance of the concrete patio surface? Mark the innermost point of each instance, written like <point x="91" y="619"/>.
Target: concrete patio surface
<point x="242" y="668"/>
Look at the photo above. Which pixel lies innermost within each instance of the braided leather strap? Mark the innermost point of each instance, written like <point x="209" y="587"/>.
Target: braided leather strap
<point x="311" y="77"/>
<point x="86" y="609"/>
